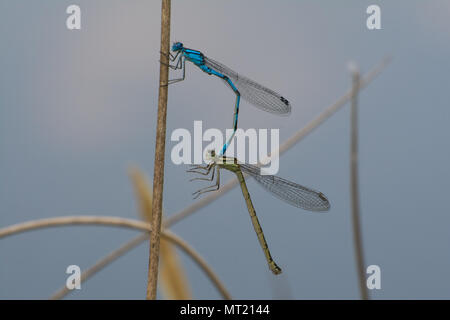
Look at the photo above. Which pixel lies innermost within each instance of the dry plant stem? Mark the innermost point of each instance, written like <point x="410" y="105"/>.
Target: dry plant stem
<point x="118" y="222"/>
<point x="158" y="173"/>
<point x="74" y="220"/>
<point x="354" y="189"/>
<point x="298" y="136"/>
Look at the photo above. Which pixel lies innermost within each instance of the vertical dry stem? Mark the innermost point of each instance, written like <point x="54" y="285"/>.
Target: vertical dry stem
<point x="158" y="175"/>
<point x="354" y="188"/>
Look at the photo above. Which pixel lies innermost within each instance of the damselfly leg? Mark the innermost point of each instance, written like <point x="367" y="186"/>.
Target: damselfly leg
<point x="207" y="170"/>
<point x="180" y="64"/>
<point x="214" y="187"/>
<point x="198" y="169"/>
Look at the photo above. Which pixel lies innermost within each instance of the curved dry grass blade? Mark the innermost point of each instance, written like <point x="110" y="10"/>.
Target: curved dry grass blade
<point x="172" y="277"/>
<point x="117" y="222"/>
<point x="74" y="220"/>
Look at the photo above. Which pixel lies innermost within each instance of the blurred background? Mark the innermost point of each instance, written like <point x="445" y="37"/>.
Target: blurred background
<point x="77" y="108"/>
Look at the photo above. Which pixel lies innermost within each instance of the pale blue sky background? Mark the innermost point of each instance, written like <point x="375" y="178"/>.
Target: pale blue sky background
<point x="78" y="107"/>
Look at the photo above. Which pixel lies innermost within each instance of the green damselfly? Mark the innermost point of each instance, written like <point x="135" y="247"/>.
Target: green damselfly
<point x="290" y="192"/>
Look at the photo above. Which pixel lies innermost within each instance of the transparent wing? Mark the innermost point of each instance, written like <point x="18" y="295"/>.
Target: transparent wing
<point x="253" y="92"/>
<point x="288" y="191"/>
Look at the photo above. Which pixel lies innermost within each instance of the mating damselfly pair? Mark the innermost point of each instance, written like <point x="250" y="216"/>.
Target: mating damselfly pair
<point x="266" y="100"/>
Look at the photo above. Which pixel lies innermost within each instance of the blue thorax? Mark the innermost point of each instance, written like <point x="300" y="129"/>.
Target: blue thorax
<point x="194" y="56"/>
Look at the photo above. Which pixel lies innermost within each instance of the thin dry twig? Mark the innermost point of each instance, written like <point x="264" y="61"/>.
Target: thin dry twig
<point x="298" y="136"/>
<point x="158" y="172"/>
<point x="74" y="220"/>
<point x="117" y="222"/>
<point x="354" y="188"/>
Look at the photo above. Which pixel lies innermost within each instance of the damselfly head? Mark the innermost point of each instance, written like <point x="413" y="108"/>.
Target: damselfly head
<point x="177" y="46"/>
<point x="210" y="155"/>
